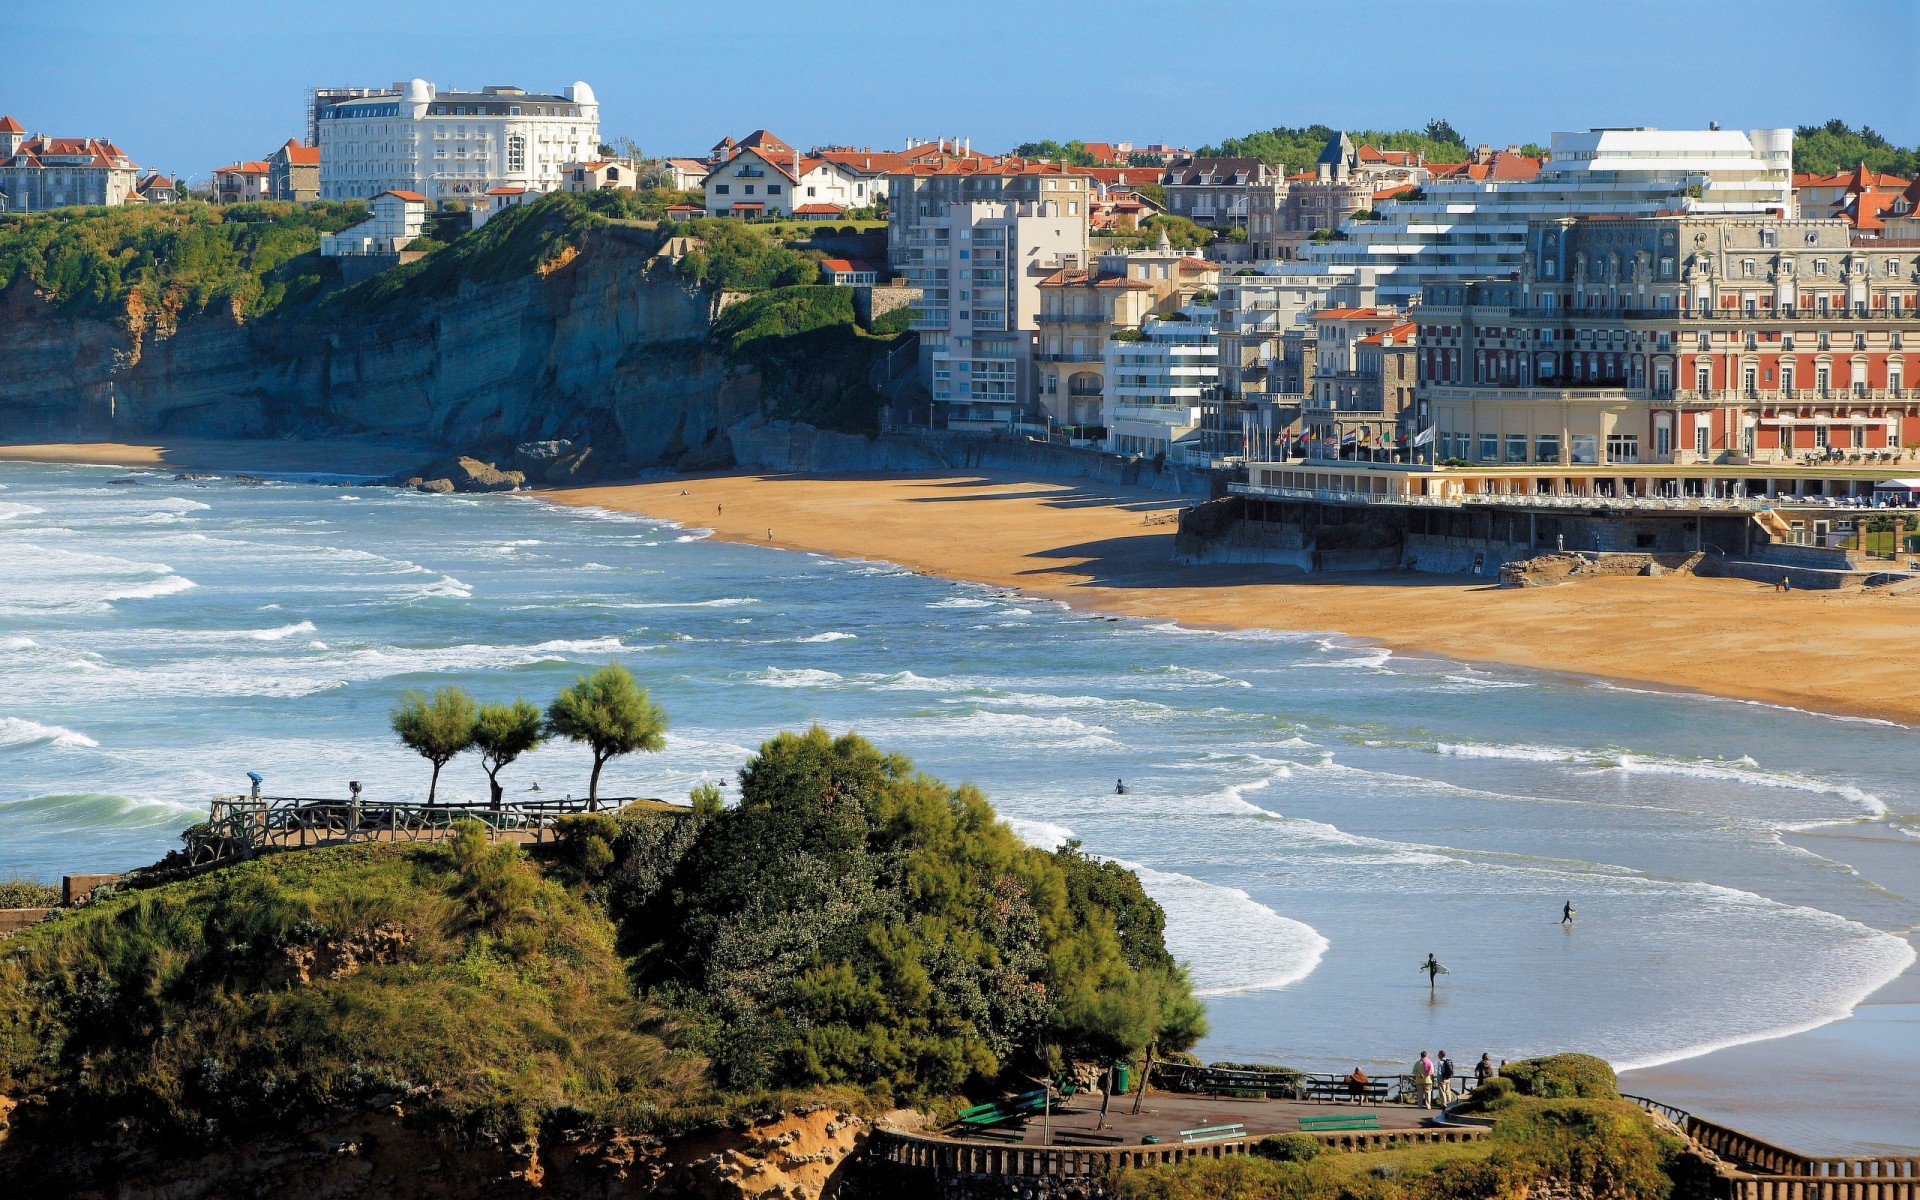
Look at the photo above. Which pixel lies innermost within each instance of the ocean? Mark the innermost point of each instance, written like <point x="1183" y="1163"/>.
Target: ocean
<point x="1315" y="815"/>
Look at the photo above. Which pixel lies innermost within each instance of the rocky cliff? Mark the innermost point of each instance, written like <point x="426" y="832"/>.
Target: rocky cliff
<point x="605" y="343"/>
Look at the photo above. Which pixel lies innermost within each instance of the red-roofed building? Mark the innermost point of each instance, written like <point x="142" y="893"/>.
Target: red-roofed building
<point x="1826" y="195"/>
<point x="497" y="200"/>
<point x="849" y="272"/>
<point x="241" y="181"/>
<point x="398" y="218"/>
<point x="155" y="189"/>
<point x="1350" y="407"/>
<point x="41" y="172"/>
<point x="293" y="172"/>
<point x="1901" y="219"/>
<point x="600" y="175"/>
<point x="761" y="175"/>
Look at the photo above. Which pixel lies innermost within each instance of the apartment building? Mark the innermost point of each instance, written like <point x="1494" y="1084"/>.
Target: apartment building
<point x="1737" y="341"/>
<point x="1081" y="310"/>
<point x="978" y="239"/>
<point x="39" y="172"/>
<point x="1473" y="224"/>
<point x="1219" y="191"/>
<point x="449" y="145"/>
<point x="1157" y="380"/>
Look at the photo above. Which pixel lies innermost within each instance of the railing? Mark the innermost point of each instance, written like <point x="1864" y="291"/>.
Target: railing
<point x="952" y="1156"/>
<point x="1761" y="1170"/>
<point x="239" y="825"/>
<point x="1510" y="500"/>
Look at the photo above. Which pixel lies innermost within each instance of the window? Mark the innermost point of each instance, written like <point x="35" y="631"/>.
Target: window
<point x="773" y="189"/>
<point x="1746" y="268"/>
<point x="1516" y="447"/>
<point x="747" y="189"/>
<point x="1702" y="441"/>
<point x="1819" y="266"/>
<point x="1623" y="447"/>
<point x="1823" y="437"/>
<point x="1489" y="447"/>
<point x="1662" y="441"/>
<point x="1546" y="448"/>
<point x="1767" y="239"/>
<point x="721" y="189"/>
<point x="1585" y="448"/>
<point x="1666" y="268"/>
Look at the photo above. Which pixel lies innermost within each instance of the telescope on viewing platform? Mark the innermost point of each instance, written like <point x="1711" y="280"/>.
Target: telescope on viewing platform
<point x="257" y="781"/>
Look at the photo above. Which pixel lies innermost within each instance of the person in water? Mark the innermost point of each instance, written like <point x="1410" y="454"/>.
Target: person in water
<point x="1434" y="971"/>
<point x="1119" y="787"/>
<point x="1566" y="913"/>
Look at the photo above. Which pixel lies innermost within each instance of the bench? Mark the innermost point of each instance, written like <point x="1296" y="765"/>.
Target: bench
<point x="1335" y="1124"/>
<point x="998" y="1112"/>
<point x="1336" y="1090"/>
<point x="1213" y="1133"/>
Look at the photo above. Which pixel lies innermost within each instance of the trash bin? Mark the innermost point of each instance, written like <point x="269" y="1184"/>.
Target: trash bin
<point x="1122" y="1079"/>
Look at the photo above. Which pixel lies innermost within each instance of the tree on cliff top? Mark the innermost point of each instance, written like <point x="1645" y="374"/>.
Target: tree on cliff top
<point x="611" y="714"/>
<point x="502" y="733"/>
<point x="436" y="729"/>
<point x="853" y="921"/>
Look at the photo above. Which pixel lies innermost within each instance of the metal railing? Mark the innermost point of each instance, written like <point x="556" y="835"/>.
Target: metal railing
<point x="238" y="826"/>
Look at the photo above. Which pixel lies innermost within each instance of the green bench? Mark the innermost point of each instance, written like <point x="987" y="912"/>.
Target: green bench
<point x="1213" y="1133"/>
<point x="1339" y="1123"/>
<point x="1000" y="1112"/>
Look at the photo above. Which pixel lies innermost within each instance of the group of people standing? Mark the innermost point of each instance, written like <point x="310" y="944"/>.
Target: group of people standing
<point x="1431" y="1077"/>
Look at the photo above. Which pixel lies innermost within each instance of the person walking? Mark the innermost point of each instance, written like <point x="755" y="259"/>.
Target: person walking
<point x="1483" y="1070"/>
<point x="1423" y="1080"/>
<point x="1446" y="1080"/>
<point x="1434" y="971"/>
<point x="1566" y="913"/>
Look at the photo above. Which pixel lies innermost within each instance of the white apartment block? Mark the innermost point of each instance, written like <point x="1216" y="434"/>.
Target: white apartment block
<point x="1157" y="383"/>
<point x="978" y="242"/>
<point x="454" y="145"/>
<point x="1472" y="229"/>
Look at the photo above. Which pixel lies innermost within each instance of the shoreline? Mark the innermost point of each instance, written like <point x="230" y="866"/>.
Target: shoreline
<point x="1120" y="566"/>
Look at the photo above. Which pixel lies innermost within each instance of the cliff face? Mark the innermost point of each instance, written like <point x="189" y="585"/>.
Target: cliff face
<point x="605" y="344"/>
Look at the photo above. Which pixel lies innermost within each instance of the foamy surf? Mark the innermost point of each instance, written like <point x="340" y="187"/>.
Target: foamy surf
<point x="18" y="733"/>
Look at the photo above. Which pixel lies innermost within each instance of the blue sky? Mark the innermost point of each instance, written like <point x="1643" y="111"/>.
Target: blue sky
<point x="192" y="84"/>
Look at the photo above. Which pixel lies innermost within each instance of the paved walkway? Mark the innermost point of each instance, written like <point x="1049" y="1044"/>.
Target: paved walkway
<point x="1167" y="1113"/>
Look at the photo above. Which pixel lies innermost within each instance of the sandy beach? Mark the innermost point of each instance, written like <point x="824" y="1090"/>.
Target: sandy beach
<point x="1091" y="547"/>
<point x="367" y="456"/>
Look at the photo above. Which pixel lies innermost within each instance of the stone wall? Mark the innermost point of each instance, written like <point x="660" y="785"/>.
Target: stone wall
<point x="871" y="303"/>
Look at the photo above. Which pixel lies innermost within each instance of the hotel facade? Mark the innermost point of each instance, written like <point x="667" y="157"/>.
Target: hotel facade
<point x="453" y="145"/>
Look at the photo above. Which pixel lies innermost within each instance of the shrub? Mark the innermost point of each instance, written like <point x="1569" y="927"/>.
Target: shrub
<point x="1563" y="1076"/>
<point x="28" y="893"/>
<point x="1290" y="1147"/>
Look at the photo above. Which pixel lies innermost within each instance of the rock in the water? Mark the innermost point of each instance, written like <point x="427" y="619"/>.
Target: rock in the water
<point x="463" y="474"/>
<point x="443" y="486"/>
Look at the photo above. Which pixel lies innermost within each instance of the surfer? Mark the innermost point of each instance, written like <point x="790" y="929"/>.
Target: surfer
<point x="1566" y="913"/>
<point x="1119" y="787"/>
<point x="1433" y="969"/>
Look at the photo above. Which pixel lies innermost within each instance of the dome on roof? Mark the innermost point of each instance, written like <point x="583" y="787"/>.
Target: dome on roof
<point x="419" y="91"/>
<point x="580" y="93"/>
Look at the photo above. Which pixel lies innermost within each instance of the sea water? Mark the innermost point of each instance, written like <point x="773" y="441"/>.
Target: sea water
<point x="1314" y="815"/>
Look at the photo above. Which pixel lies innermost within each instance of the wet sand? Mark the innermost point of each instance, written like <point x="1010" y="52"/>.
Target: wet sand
<point x="360" y="456"/>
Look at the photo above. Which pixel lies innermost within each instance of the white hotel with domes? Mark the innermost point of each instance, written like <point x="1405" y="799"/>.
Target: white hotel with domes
<point x="453" y="145"/>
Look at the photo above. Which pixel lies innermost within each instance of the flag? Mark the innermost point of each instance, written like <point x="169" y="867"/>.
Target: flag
<point x="1424" y="437"/>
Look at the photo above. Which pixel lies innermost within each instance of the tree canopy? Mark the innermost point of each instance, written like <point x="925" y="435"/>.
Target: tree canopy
<point x="502" y="733"/>
<point x="1837" y="146"/>
<point x="609" y="712"/>
<point x="853" y="921"/>
<point x="435" y="729"/>
<point x="1297" y="148"/>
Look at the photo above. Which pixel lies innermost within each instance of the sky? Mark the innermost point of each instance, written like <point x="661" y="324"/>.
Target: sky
<point x="187" y="86"/>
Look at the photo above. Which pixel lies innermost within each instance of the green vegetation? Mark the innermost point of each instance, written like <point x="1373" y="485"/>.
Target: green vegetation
<point x="854" y="922"/>
<point x="611" y="714"/>
<point x="814" y="359"/>
<point x="1182" y="233"/>
<point x="28" y="893"/>
<point x="1073" y="153"/>
<point x="850" y="929"/>
<point x="740" y="257"/>
<point x="169" y="261"/>
<point x="1559" y="1118"/>
<point x="435" y="729"/>
<point x="1297" y="148"/>
<point x="1837" y="146"/>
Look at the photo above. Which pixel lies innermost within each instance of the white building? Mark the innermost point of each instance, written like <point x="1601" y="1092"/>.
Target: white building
<point x="398" y="218"/>
<point x="1157" y="381"/>
<point x="454" y="145"/>
<point x="1472" y="229"/>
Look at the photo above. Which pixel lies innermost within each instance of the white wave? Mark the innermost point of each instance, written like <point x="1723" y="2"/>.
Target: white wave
<point x="907" y="681"/>
<point x="1743" y="770"/>
<point x="274" y="635"/>
<point x="1177" y="676"/>
<point x="16" y="732"/>
<point x="723" y="602"/>
<point x="9" y="510"/>
<point x="804" y="677"/>
<point x="445" y="587"/>
<point x="1236" y="635"/>
<point x="961" y="602"/>
<point x="1231" y="942"/>
<point x="1369" y="660"/>
<point x="1041" y="835"/>
<point x="17" y="643"/>
<point x="698" y="535"/>
<point x="832" y="635"/>
<point x="168" y="586"/>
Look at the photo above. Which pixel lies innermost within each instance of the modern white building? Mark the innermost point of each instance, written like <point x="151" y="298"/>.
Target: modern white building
<point x="398" y="218"/>
<point x="1462" y="229"/>
<point x="1157" y="380"/>
<point x="454" y="145"/>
